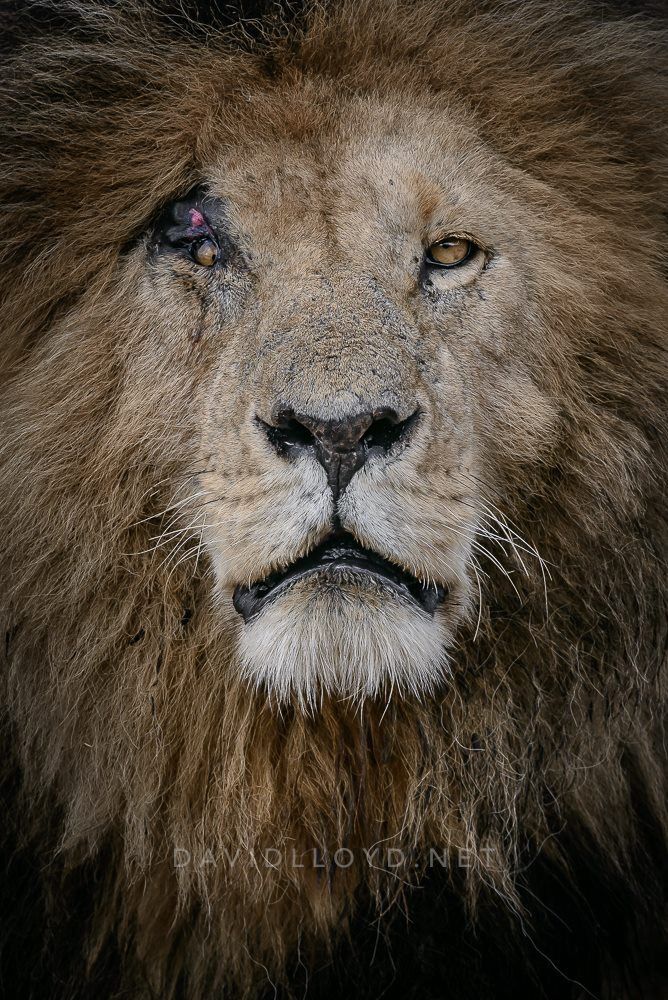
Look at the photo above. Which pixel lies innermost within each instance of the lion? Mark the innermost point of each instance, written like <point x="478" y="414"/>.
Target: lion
<point x="333" y="501"/>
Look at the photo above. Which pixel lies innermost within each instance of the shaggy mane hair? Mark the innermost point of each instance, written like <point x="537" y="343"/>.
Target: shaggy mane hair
<point x="542" y="761"/>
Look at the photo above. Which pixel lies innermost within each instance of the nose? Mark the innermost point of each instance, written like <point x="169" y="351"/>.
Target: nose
<point x="341" y="446"/>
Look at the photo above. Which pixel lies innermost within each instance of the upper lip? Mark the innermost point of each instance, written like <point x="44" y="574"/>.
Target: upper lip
<point x="339" y="549"/>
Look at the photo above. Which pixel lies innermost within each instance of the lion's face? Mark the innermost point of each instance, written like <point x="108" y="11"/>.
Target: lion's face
<point x="353" y="395"/>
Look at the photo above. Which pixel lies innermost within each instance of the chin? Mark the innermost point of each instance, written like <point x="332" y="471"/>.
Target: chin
<point x="344" y="622"/>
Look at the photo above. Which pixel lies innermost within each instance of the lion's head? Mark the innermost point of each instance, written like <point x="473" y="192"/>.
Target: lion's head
<point x="333" y="442"/>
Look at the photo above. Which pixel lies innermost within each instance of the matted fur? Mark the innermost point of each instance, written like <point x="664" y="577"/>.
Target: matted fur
<point x="130" y="729"/>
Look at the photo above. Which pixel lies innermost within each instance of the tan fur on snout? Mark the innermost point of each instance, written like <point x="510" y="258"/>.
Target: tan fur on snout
<point x="139" y="488"/>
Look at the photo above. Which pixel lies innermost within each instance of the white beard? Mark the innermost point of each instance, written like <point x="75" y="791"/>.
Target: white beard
<point x="338" y="636"/>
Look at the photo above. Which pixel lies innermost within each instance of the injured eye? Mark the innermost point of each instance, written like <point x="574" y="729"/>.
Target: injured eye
<point x="193" y="227"/>
<point x="450" y="251"/>
<point x="205" y="253"/>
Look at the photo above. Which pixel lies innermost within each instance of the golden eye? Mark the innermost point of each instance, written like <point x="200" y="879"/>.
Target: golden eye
<point x="205" y="253"/>
<point x="450" y="252"/>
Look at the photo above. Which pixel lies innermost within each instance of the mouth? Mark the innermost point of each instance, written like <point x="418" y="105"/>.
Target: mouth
<point x="339" y="553"/>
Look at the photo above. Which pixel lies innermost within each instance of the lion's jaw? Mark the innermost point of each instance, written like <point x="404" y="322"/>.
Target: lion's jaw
<point x="345" y="631"/>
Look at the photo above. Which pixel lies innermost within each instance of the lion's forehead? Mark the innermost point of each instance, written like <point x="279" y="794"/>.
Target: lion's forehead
<point x="358" y="181"/>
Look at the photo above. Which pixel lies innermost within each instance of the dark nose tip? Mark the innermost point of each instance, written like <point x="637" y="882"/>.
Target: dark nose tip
<point x="341" y="446"/>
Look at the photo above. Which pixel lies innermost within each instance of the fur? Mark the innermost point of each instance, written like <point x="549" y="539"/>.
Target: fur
<point x="161" y="806"/>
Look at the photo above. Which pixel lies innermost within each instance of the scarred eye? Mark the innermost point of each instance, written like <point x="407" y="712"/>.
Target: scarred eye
<point x="205" y="252"/>
<point x="450" y="251"/>
<point x="194" y="228"/>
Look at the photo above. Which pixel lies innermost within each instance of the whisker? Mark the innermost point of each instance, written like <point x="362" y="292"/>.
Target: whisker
<point x="474" y="566"/>
<point x="484" y="551"/>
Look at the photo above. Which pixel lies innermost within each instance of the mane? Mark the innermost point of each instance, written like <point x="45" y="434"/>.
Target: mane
<point x="107" y="112"/>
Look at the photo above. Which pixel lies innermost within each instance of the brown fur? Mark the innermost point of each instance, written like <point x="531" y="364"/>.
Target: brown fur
<point x="129" y="725"/>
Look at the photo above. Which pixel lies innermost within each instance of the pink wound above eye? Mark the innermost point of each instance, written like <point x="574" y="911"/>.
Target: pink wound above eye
<point x="196" y="217"/>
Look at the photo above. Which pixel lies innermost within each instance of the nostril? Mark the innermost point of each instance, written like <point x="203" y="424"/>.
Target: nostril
<point x="388" y="430"/>
<point x="299" y="434"/>
<point x="382" y="434"/>
<point x="293" y="434"/>
<point x="286" y="432"/>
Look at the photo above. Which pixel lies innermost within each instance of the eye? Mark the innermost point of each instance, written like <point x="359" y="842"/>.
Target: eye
<point x="193" y="228"/>
<point x="450" y="251"/>
<point x="205" y="252"/>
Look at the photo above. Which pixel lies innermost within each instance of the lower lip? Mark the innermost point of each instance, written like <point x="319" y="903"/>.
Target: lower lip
<point x="248" y="605"/>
